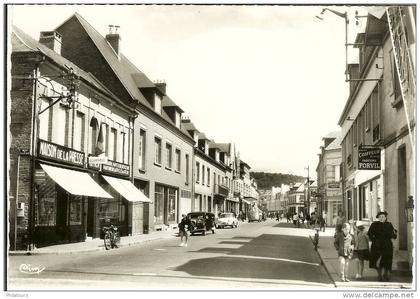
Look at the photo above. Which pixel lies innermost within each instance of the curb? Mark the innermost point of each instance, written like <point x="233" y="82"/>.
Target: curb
<point x="84" y="250"/>
<point x="323" y="264"/>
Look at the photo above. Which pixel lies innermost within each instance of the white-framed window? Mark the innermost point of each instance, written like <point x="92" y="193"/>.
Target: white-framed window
<point x="124" y="148"/>
<point x="158" y="103"/>
<point x="177" y="119"/>
<point x="168" y="150"/>
<point x="187" y="169"/>
<point x="142" y="150"/>
<point x="197" y="172"/>
<point x="208" y="176"/>
<point x="44" y="119"/>
<point x="178" y="160"/>
<point x="93" y="134"/>
<point x="112" y="152"/>
<point x="158" y="150"/>
<point x="203" y="173"/>
<point x="60" y="126"/>
<point x="336" y="173"/>
<point x="79" y="131"/>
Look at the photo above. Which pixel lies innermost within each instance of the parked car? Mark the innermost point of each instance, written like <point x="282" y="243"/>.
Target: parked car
<point x="226" y="219"/>
<point x="201" y="222"/>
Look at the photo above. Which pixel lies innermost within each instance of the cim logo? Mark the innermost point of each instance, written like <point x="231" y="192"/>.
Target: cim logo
<point x="28" y="269"/>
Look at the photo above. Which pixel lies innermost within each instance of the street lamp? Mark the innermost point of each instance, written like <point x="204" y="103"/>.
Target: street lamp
<point x="345" y="17"/>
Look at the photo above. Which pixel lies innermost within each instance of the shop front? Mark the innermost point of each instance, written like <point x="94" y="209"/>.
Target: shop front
<point x="62" y="191"/>
<point x="232" y="205"/>
<point x="126" y="208"/>
<point x="166" y="205"/>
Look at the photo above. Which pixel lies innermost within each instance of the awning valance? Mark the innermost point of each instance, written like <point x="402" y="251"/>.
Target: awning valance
<point x="232" y="199"/>
<point x="246" y="201"/>
<point x="126" y="189"/>
<point x="75" y="182"/>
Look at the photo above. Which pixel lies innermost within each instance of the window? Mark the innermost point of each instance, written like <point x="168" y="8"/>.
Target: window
<point x="158" y="151"/>
<point x="93" y="132"/>
<point x="178" y="160"/>
<point x="177" y="120"/>
<point x="159" y="200"/>
<point x="79" y="132"/>
<point x="336" y="173"/>
<point x="60" y="127"/>
<point x="158" y="103"/>
<point x="172" y="194"/>
<point x="75" y="210"/>
<point x="187" y="169"/>
<point x="112" y="149"/>
<point x="105" y="129"/>
<point x="208" y="176"/>
<point x="197" y="172"/>
<point x="368" y="116"/>
<point x="142" y="150"/>
<point x="395" y="85"/>
<point x="45" y="203"/>
<point x="44" y="120"/>
<point x="123" y="155"/>
<point x="168" y="156"/>
<point x="203" y="173"/>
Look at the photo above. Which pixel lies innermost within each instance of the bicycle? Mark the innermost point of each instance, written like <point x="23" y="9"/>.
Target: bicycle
<point x="111" y="237"/>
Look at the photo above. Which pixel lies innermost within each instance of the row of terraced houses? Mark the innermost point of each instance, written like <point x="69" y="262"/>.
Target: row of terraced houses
<point x="94" y="141"/>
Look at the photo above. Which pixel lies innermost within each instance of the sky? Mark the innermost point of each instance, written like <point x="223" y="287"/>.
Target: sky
<point x="270" y="79"/>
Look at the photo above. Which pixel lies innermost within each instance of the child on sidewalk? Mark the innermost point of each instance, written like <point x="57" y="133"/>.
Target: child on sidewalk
<point x="344" y="245"/>
<point x="361" y="248"/>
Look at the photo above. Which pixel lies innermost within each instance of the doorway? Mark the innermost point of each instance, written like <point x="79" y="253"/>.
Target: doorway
<point x="402" y="198"/>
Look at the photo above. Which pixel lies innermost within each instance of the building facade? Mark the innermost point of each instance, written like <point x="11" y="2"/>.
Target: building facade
<point x="329" y="178"/>
<point x="379" y="119"/>
<point x="57" y="194"/>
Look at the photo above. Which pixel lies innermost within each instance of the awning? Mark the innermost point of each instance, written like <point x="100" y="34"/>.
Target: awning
<point x="232" y="199"/>
<point x="246" y="201"/>
<point x="75" y="182"/>
<point x="126" y="189"/>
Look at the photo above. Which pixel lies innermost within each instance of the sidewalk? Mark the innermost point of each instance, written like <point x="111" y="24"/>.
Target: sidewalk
<point x="329" y="258"/>
<point x="98" y="244"/>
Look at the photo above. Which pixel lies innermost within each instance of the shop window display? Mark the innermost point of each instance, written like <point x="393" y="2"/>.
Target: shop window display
<point x="76" y="210"/>
<point x="45" y="203"/>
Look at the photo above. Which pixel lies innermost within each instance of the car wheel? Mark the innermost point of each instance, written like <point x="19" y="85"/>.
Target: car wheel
<point x="204" y="232"/>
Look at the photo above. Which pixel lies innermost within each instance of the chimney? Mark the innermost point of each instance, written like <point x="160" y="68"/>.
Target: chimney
<point x="113" y="38"/>
<point x="52" y="40"/>
<point x="161" y="85"/>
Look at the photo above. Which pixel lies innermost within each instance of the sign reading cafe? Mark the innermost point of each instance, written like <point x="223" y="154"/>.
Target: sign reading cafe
<point x="60" y="153"/>
<point x="369" y="158"/>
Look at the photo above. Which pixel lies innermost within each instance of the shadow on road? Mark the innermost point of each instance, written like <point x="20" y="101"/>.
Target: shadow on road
<point x="268" y="256"/>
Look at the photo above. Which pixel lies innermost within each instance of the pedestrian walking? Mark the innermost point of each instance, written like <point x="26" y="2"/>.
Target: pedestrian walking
<point x="296" y="219"/>
<point x="344" y="245"/>
<point x="339" y="220"/>
<point x="361" y="248"/>
<point x="277" y="215"/>
<point x="322" y="223"/>
<point x="380" y="233"/>
<point x="184" y="226"/>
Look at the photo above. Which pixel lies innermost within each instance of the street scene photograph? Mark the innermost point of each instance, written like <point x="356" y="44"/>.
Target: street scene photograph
<point x="210" y="147"/>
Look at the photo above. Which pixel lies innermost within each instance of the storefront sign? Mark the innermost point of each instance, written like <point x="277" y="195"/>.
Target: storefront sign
<point x="369" y="158"/>
<point x="98" y="159"/>
<point x="334" y="185"/>
<point x="116" y="168"/>
<point x="60" y="153"/>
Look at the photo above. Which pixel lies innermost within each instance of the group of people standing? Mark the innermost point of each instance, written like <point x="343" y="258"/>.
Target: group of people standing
<point x="356" y="246"/>
<point x="313" y="220"/>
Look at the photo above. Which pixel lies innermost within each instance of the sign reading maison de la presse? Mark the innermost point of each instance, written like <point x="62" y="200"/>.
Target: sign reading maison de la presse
<point x="60" y="153"/>
<point x="369" y="158"/>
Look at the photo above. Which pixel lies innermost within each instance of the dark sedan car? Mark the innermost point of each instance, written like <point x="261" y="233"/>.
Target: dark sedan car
<point x="201" y="222"/>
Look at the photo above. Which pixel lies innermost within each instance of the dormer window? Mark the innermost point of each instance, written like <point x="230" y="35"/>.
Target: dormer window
<point x="177" y="119"/>
<point x="158" y="103"/>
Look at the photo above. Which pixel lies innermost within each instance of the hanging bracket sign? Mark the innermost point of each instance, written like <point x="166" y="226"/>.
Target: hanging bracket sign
<point x="369" y="158"/>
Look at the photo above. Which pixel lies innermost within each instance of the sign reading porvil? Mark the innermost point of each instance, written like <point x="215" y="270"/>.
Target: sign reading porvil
<point x="369" y="158"/>
<point x="116" y="168"/>
<point x="60" y="153"/>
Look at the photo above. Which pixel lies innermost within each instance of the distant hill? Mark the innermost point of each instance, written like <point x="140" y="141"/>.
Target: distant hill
<point x="266" y="180"/>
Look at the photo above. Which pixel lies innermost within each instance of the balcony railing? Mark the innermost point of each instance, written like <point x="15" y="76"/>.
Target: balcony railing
<point x="221" y="190"/>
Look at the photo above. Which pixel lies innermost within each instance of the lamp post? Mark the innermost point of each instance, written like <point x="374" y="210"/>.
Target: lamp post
<point x="345" y="17"/>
